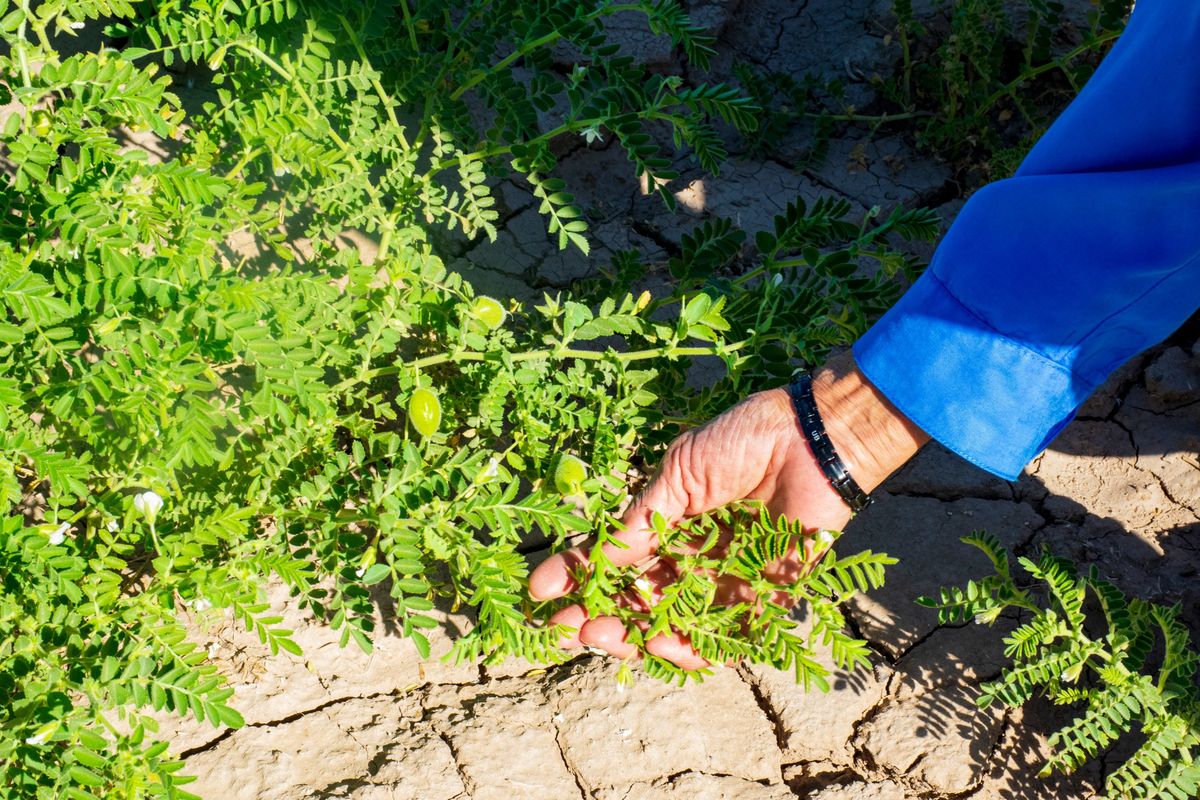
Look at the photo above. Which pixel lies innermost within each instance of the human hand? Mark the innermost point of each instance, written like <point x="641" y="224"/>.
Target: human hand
<point x="754" y="451"/>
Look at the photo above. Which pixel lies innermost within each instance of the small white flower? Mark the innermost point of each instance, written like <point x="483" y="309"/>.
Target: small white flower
<point x="360" y="571"/>
<point x="213" y="649"/>
<point x="76" y="26"/>
<point x="60" y="534"/>
<point x="592" y="134"/>
<point x="112" y="526"/>
<point x="776" y="279"/>
<point x="643" y="585"/>
<point x="825" y="538"/>
<point x="148" y="504"/>
<point x="202" y="604"/>
<point x="42" y="734"/>
<point x="578" y="73"/>
<point x="489" y="472"/>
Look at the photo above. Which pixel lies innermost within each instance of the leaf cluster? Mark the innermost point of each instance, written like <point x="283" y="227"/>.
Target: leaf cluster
<point x="1134" y="677"/>
<point x="979" y="79"/>
<point x="988" y="75"/>
<point x="743" y="543"/>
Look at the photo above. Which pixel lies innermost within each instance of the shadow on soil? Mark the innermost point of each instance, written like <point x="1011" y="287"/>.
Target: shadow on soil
<point x="922" y="526"/>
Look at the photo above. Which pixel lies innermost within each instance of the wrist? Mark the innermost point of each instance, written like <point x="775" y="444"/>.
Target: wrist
<point x="870" y="434"/>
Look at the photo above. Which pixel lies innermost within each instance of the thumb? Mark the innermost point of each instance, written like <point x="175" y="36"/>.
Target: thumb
<point x="667" y="494"/>
<point x="729" y="458"/>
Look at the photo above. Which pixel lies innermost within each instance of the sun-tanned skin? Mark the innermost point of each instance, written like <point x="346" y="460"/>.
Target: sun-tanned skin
<point x="753" y="451"/>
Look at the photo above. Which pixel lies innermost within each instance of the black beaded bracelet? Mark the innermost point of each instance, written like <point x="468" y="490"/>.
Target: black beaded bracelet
<point x="801" y="391"/>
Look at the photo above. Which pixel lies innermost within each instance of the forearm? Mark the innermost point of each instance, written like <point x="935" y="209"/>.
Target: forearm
<point x="873" y="438"/>
<point x="1049" y="280"/>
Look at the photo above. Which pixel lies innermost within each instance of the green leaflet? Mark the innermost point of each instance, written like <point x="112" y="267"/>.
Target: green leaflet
<point x="739" y="542"/>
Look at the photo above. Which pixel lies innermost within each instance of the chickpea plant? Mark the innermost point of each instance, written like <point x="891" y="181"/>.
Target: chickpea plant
<point x="978" y="81"/>
<point x="974" y="65"/>
<point x="1129" y="669"/>
<point x="181" y="422"/>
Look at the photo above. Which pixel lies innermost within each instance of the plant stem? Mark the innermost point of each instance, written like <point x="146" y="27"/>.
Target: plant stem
<point x="879" y="119"/>
<point x="388" y="105"/>
<point x="408" y="23"/>
<point x="250" y="155"/>
<point x="566" y="127"/>
<point x="672" y="351"/>
<point x="528" y="47"/>
<point x="1058" y="63"/>
<point x="523" y="50"/>
<point x="301" y="92"/>
<point x="865" y="236"/>
<point x="25" y="79"/>
<point x="347" y="151"/>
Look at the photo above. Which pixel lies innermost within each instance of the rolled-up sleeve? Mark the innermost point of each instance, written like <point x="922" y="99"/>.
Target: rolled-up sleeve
<point x="1051" y="279"/>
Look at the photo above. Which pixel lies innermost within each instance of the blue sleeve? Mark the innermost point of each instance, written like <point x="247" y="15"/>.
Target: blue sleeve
<point x="1051" y="279"/>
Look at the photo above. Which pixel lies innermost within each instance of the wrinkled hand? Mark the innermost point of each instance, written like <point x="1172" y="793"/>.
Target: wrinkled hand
<point x="754" y="451"/>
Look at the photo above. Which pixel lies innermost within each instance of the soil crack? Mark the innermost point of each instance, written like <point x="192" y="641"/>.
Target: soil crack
<point x="293" y="717"/>
<point x="764" y="705"/>
<point x="580" y="784"/>
<point x="467" y="783"/>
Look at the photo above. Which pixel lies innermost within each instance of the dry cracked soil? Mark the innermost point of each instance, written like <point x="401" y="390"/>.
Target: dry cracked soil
<point x="1120" y="489"/>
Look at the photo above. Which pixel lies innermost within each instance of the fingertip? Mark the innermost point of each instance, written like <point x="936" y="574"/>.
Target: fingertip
<point x="555" y="577"/>
<point x="647" y="590"/>
<point x="786" y="570"/>
<point x="639" y="542"/>
<point x="676" y="649"/>
<point x="573" y="617"/>
<point x="732" y="590"/>
<point x="608" y="634"/>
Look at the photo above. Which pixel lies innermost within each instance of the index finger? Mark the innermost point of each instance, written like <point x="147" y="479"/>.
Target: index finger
<point x="556" y="576"/>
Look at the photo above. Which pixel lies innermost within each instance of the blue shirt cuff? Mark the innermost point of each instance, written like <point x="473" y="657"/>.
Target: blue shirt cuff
<point x="982" y="395"/>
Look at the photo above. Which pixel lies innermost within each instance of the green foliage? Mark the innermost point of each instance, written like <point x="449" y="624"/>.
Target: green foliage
<point x="739" y="544"/>
<point x="202" y="390"/>
<point x="983" y="74"/>
<point x="1111" y="675"/>
<point x="787" y="103"/>
<point x="980" y="80"/>
<point x="348" y="78"/>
